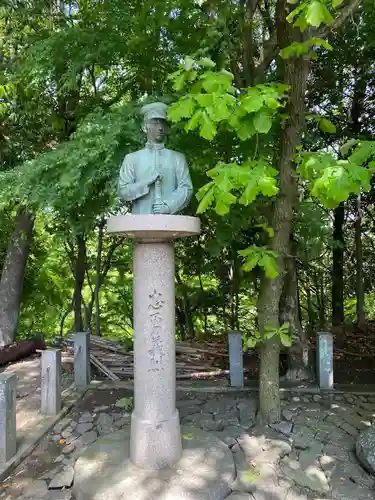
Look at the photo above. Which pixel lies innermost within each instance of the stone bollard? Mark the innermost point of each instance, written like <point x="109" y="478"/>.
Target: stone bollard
<point x="324" y="354"/>
<point x="51" y="381"/>
<point x="8" y="446"/>
<point x="235" y="359"/>
<point x="82" y="375"/>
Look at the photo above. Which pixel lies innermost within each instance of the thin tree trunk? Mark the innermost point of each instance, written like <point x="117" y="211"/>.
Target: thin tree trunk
<point x="79" y="271"/>
<point x="295" y="74"/>
<point x="360" y="289"/>
<point x="298" y="356"/>
<point x="12" y="276"/>
<point x="338" y="266"/>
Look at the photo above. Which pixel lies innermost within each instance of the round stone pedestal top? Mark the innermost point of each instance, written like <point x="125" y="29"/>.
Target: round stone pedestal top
<point x="149" y="227"/>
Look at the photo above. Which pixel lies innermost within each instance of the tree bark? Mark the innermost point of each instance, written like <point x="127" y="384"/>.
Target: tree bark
<point x="338" y="266"/>
<point x="298" y="356"/>
<point x="98" y="280"/>
<point x="12" y="276"/>
<point x="360" y="289"/>
<point x="295" y="75"/>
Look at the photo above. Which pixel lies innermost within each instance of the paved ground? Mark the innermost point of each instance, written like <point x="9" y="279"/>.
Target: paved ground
<point x="309" y="455"/>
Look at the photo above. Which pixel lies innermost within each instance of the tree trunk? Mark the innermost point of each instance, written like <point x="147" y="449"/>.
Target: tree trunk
<point x="360" y="289"/>
<point x="12" y="276"/>
<point x="338" y="267"/>
<point x="295" y="75"/>
<point x="298" y="356"/>
<point x="79" y="272"/>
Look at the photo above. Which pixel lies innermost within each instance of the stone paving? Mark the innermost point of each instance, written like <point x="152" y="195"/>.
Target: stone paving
<point x="309" y="455"/>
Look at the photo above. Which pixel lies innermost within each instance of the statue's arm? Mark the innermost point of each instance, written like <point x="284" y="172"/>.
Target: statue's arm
<point x="181" y="196"/>
<point x="128" y="189"/>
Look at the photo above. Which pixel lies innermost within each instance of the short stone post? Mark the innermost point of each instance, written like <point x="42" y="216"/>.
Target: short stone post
<point x="324" y="353"/>
<point x="51" y="381"/>
<point x="8" y="446"/>
<point x="235" y="359"/>
<point x="82" y="374"/>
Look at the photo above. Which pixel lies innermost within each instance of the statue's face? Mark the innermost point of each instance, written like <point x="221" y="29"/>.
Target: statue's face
<point x="156" y="129"/>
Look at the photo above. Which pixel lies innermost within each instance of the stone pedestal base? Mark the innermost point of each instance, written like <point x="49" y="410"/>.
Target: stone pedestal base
<point x="155" y="445"/>
<point x="204" y="472"/>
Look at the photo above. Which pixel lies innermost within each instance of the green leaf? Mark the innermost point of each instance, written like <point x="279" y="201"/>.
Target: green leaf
<point x="194" y="120"/>
<point x="245" y="130"/>
<point x="345" y="148"/>
<point x="326" y="125"/>
<point x="286" y="340"/>
<point x="251" y="262"/>
<point x="184" y="108"/>
<point x="208" y="128"/>
<point x="206" y="201"/>
<point x="317" y="14"/>
<point x="179" y="81"/>
<point x="253" y="101"/>
<point x="262" y="122"/>
<point x="188" y="63"/>
<point x="336" y="3"/>
<point x="251" y="342"/>
<point x="269" y="265"/>
<point x="204" y="100"/>
<point x="250" y="193"/>
<point x="205" y="62"/>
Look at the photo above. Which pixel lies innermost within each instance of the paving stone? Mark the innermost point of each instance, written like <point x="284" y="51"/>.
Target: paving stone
<point x="189" y="410"/>
<point x="240" y="496"/>
<point x="63" y="479"/>
<point x="349" y="429"/>
<point x="68" y="449"/>
<point x="368" y="406"/>
<point x="84" y="427"/>
<point x="303" y="437"/>
<point x="331" y="450"/>
<point x="283" y="427"/>
<point x="312" y="477"/>
<point x="86" y="418"/>
<point x="125" y="420"/>
<point x="97" y="409"/>
<point x="288" y="415"/>
<point x="60" y="426"/>
<point x="86" y="439"/>
<point x="350" y="492"/>
<point x="247" y="413"/>
<point x="51" y="473"/>
<point x="67" y="433"/>
<point x="365" y="449"/>
<point x="317" y="398"/>
<point x="104" y="424"/>
<point x="58" y="495"/>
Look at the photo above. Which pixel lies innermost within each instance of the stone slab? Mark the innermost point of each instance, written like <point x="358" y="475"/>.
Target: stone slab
<point x="205" y="471"/>
<point x="149" y="227"/>
<point x="324" y="353"/>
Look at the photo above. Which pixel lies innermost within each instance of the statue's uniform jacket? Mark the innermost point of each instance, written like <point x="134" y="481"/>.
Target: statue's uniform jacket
<point x="138" y="167"/>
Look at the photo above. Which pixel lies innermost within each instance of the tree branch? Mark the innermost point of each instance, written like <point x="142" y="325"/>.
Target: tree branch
<point x="345" y="11"/>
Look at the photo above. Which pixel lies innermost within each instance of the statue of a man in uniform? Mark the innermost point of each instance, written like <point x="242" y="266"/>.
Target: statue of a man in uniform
<point x="155" y="180"/>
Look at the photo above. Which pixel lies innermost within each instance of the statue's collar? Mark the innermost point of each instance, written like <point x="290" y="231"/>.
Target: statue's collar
<point x="154" y="146"/>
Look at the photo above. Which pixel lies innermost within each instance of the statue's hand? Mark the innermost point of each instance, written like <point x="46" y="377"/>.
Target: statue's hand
<point x="153" y="179"/>
<point x="160" y="208"/>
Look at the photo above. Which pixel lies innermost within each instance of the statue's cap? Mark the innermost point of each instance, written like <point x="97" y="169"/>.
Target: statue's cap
<point x="154" y="110"/>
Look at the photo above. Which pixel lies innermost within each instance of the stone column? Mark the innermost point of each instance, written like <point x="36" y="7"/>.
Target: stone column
<point x="82" y="374"/>
<point x="324" y="353"/>
<point x="51" y="381"/>
<point x="155" y="425"/>
<point x="155" y="436"/>
<point x="8" y="446"/>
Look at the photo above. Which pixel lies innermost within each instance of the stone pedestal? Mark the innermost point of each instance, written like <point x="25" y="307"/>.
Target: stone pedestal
<point x="8" y="386"/>
<point x="51" y="382"/>
<point x="324" y="353"/>
<point x="82" y="372"/>
<point x="155" y="440"/>
<point x="235" y="359"/>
